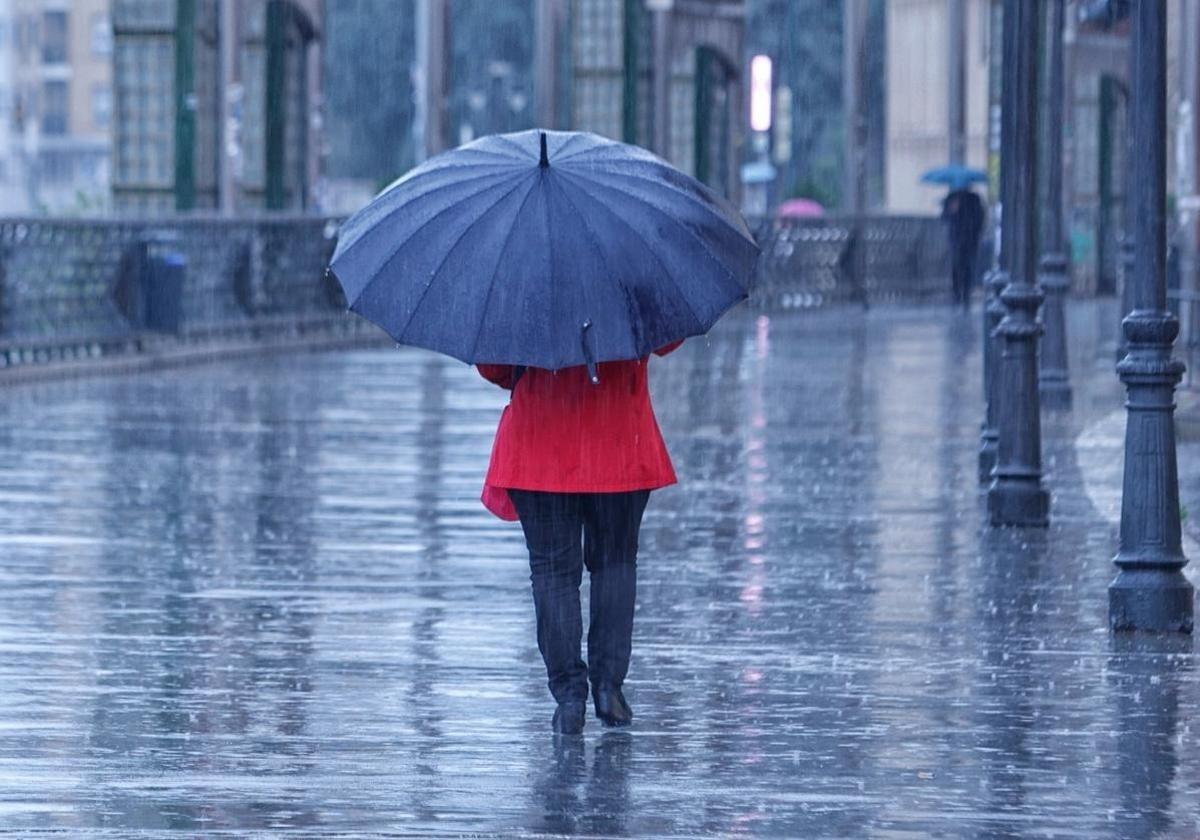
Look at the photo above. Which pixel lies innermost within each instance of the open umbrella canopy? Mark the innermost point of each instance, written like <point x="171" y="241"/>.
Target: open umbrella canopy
<point x="955" y="176"/>
<point x="548" y="249"/>
<point x="800" y="208"/>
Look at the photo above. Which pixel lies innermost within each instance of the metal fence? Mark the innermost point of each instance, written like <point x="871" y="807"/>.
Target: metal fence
<point x="73" y="289"/>
<point x="821" y="261"/>
<point x="81" y="289"/>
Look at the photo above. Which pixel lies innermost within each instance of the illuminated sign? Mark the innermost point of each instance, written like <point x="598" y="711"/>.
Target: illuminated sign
<point x="760" y="93"/>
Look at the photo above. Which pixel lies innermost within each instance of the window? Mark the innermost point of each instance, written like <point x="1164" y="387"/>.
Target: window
<point x="102" y="34"/>
<point x="101" y="105"/>
<point x="54" y="107"/>
<point x="54" y="37"/>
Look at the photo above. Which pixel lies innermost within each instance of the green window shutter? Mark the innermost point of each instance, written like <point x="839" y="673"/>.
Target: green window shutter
<point x="631" y="39"/>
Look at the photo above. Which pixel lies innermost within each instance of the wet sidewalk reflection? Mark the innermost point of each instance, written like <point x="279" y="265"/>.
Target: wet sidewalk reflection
<point x="264" y="596"/>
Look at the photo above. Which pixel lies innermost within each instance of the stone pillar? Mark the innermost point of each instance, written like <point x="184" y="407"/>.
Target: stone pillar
<point x="1150" y="591"/>
<point x="956" y="80"/>
<point x="1054" y="380"/>
<point x="431" y="75"/>
<point x="661" y="77"/>
<point x="548" y="31"/>
<point x="1017" y="496"/>
<point x="854" y="35"/>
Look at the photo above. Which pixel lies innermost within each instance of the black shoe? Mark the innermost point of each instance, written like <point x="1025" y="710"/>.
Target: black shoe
<point x="611" y="707"/>
<point x="569" y="717"/>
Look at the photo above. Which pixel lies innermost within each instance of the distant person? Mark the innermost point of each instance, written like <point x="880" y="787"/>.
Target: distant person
<point x="575" y="462"/>
<point x="962" y="210"/>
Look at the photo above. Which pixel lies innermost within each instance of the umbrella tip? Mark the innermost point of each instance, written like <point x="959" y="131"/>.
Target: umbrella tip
<point x="545" y="161"/>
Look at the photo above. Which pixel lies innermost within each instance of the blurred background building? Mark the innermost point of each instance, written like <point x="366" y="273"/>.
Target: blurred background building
<point x="217" y="104"/>
<point x="146" y="106"/>
<point x="56" y="105"/>
<point x="920" y="51"/>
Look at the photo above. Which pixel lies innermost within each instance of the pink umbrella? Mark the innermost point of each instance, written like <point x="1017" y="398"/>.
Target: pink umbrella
<point x="800" y="208"/>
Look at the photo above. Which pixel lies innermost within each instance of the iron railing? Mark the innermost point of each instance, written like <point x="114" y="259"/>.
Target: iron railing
<point x="69" y="289"/>
<point x="73" y="289"/>
<point x="827" y="260"/>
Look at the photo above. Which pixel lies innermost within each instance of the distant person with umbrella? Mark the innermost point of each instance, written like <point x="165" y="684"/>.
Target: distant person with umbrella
<point x="963" y="213"/>
<point x="557" y="262"/>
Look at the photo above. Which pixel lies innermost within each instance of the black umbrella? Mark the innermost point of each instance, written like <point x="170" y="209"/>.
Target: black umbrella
<point x="547" y="249"/>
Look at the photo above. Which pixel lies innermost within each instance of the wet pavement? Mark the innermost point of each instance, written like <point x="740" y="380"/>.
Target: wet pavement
<point x="261" y="597"/>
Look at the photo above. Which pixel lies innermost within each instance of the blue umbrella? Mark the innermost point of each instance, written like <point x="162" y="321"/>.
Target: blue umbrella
<point x="547" y="249"/>
<point x="955" y="176"/>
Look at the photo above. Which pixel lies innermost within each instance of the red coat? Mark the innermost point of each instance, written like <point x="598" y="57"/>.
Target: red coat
<point x="560" y="433"/>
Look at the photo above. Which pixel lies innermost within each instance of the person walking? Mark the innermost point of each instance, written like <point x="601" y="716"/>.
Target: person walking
<point x="574" y="460"/>
<point x="962" y="210"/>
<point x="557" y="261"/>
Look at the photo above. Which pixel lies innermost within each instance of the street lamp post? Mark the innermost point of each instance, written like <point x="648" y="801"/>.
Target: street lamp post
<point x="1017" y="496"/>
<point x="997" y="278"/>
<point x="1127" y="249"/>
<point x="1054" y="377"/>
<point x="1150" y="591"/>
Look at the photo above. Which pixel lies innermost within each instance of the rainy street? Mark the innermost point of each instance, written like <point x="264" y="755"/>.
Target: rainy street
<point x="262" y="595"/>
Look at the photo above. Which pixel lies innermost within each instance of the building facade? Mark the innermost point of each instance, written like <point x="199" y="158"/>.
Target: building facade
<point x="918" y="107"/>
<point x="665" y="74"/>
<point x="55" y="105"/>
<point x="217" y="105"/>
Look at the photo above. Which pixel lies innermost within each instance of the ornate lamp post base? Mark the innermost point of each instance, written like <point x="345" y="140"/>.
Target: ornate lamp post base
<point x="1157" y="600"/>
<point x="1019" y="500"/>
<point x="1017" y="496"/>
<point x="1150" y="591"/>
<point x="1054" y="382"/>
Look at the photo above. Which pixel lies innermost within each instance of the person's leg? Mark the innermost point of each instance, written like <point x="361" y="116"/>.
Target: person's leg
<point x="611" y="525"/>
<point x="969" y="263"/>
<point x="552" y="523"/>
<point x="955" y="296"/>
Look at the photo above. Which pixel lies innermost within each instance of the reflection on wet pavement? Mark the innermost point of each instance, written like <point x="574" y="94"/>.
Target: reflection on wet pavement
<point x="263" y="596"/>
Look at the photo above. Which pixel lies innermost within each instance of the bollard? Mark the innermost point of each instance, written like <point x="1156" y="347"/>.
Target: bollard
<point x="1016" y="496"/>
<point x="1150" y="591"/>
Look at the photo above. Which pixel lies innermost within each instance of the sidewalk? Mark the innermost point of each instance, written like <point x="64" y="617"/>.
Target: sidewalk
<point x="261" y="596"/>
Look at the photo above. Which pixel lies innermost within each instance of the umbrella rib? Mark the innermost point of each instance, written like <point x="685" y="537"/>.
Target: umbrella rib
<point x="449" y="251"/>
<point x="496" y="269"/>
<point x="405" y="202"/>
<point x="603" y="144"/>
<point x="420" y="228"/>
<point x="504" y="137"/>
<point x="438" y="165"/>
<point x="673" y="220"/>
<point x="558" y="155"/>
<point x="607" y="268"/>
<point x="659" y="183"/>
<point x="654" y="255"/>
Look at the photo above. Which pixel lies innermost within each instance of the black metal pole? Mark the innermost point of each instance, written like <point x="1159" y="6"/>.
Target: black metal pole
<point x="1017" y="496"/>
<point x="1054" y="381"/>
<point x="997" y="278"/>
<point x="1126" y="250"/>
<point x="1150" y="591"/>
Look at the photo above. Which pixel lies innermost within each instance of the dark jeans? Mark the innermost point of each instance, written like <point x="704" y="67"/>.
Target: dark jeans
<point x="962" y="273"/>
<point x="608" y="524"/>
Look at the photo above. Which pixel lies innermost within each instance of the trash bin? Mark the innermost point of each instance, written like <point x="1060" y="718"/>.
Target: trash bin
<point x="164" y="271"/>
<point x="164" y="291"/>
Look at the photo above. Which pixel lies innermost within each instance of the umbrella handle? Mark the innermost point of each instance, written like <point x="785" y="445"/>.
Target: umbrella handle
<point x="587" y="353"/>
